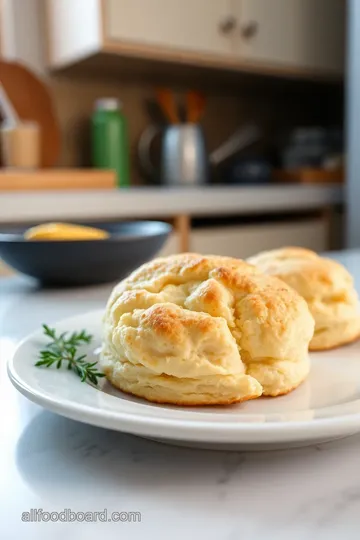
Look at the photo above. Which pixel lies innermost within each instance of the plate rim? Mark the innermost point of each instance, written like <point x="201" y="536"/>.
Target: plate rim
<point x="236" y="431"/>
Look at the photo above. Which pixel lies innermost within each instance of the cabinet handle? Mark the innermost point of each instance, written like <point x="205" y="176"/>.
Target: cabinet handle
<point x="249" y="30"/>
<point x="227" y="24"/>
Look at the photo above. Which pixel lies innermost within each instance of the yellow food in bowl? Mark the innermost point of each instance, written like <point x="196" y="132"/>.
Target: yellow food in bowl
<point x="64" y="231"/>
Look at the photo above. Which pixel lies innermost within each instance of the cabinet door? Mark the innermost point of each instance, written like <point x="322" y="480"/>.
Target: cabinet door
<point x="245" y="240"/>
<point x="294" y="33"/>
<point x="188" y="25"/>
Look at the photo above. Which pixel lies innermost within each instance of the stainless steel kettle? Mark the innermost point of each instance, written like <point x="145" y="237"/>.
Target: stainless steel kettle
<point x="184" y="159"/>
<point x="183" y="154"/>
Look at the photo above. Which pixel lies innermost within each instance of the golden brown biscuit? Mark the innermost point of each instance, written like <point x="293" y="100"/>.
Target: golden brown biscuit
<point x="196" y="330"/>
<point x="326" y="286"/>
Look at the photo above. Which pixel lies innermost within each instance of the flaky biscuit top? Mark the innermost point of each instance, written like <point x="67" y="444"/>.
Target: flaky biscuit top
<point x="325" y="284"/>
<point x="194" y="316"/>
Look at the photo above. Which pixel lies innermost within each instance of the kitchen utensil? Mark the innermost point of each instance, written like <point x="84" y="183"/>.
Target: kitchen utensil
<point x="306" y="147"/>
<point x="86" y="261"/>
<point x="7" y="110"/>
<point x="31" y="101"/>
<point x="326" y="406"/>
<point x="242" y="138"/>
<point x="110" y="141"/>
<point x="21" y="145"/>
<point x="195" y="105"/>
<point x="167" y="102"/>
<point x="47" y="179"/>
<point x="155" y="112"/>
<point x="248" y="171"/>
<point x="183" y="156"/>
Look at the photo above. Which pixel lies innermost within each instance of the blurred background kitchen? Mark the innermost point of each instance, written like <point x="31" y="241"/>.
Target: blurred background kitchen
<point x="225" y="118"/>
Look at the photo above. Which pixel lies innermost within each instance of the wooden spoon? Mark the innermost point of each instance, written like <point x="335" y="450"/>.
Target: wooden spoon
<point x="167" y="102"/>
<point x="195" y="105"/>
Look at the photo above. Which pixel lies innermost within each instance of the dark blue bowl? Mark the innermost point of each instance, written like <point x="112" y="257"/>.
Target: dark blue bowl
<point x="85" y="262"/>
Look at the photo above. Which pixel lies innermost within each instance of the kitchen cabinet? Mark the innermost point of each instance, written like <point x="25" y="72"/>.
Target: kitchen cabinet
<point x="301" y="37"/>
<point x="21" y="33"/>
<point x="187" y="25"/>
<point x="303" y="34"/>
<point x="245" y="240"/>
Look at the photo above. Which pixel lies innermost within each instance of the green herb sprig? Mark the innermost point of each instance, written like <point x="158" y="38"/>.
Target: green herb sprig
<point x="64" y="349"/>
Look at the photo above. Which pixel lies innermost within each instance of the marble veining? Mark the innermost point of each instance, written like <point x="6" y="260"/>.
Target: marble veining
<point x="330" y="507"/>
<point x="231" y="463"/>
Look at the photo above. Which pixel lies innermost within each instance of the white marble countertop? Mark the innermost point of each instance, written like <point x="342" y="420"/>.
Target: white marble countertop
<point x="51" y="463"/>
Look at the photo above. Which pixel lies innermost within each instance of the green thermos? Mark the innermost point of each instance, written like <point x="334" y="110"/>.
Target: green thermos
<point x="110" y="143"/>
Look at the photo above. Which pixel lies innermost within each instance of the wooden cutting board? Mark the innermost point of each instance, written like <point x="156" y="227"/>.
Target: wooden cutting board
<point x="308" y="175"/>
<point x="32" y="101"/>
<point x="48" y="179"/>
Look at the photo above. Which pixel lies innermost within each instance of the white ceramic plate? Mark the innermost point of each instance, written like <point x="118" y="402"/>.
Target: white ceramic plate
<point x="325" y="407"/>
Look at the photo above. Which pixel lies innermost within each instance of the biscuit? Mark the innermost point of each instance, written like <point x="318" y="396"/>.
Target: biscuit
<point x="205" y="330"/>
<point x="327" y="288"/>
